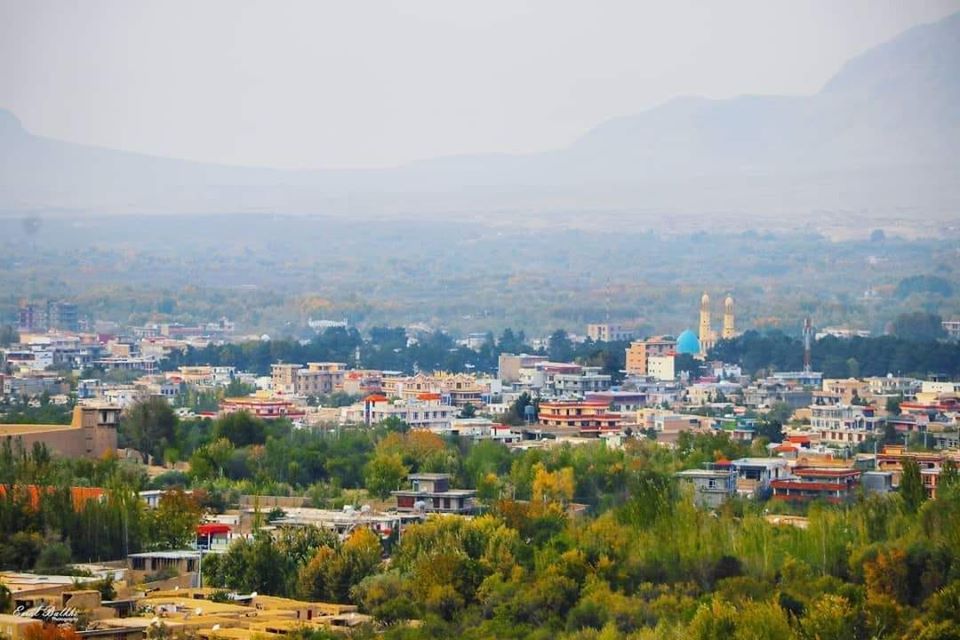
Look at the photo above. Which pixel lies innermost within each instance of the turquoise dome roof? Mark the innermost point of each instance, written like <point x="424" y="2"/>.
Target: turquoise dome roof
<point x="688" y="342"/>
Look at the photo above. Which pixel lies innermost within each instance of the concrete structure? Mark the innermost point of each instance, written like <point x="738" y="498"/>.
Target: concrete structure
<point x="589" y="418"/>
<point x="754" y="475"/>
<point x="729" y="323"/>
<point x="711" y="487"/>
<point x="817" y="483"/>
<point x="606" y="332"/>
<point x="640" y="351"/>
<point x="263" y="407"/>
<point x="425" y="412"/>
<point x="431" y="493"/>
<point x="91" y="434"/>
<point x="509" y="365"/>
<point x="661" y="367"/>
<point x="320" y="378"/>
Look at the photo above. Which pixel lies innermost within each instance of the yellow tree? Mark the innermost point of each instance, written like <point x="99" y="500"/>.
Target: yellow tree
<point x="552" y="490"/>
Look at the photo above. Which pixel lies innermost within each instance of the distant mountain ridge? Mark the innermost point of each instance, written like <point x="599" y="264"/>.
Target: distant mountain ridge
<point x="880" y="136"/>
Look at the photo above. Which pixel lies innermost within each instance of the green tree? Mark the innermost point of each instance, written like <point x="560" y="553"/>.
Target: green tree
<point x="384" y="473"/>
<point x="173" y="524"/>
<point x="893" y="405"/>
<point x="918" y="326"/>
<point x="241" y="428"/>
<point x="949" y="476"/>
<point x="149" y="426"/>
<point x="911" y="485"/>
<point x="8" y="335"/>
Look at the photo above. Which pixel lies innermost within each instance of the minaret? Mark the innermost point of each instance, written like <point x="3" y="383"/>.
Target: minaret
<point x="706" y="333"/>
<point x="729" y="327"/>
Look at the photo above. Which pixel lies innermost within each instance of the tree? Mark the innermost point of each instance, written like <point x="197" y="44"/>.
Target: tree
<point x="240" y="428"/>
<point x="6" y="599"/>
<point x="8" y="335"/>
<point x="468" y="411"/>
<point x="560" y="347"/>
<point x="173" y="524"/>
<point x="893" y="405"/>
<point x="149" y="426"/>
<point x="918" y="326"/>
<point x="911" y="485"/>
<point x="552" y="490"/>
<point x="949" y="476"/>
<point x="384" y="473"/>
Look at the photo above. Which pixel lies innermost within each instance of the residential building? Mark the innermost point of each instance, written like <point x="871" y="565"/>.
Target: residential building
<point x="661" y="367"/>
<point x="320" y="378"/>
<point x="606" y="332"/>
<point x="754" y="475"/>
<point x="509" y="365"/>
<point x="817" y="483"/>
<point x="588" y="418"/>
<point x="712" y="486"/>
<point x="931" y="464"/>
<point x="431" y="493"/>
<point x="424" y="412"/>
<point x="263" y="406"/>
<point x="640" y="351"/>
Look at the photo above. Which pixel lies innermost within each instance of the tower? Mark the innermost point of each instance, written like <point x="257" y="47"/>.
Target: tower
<point x="729" y="326"/>
<point x="707" y="337"/>
<point x="807" y="340"/>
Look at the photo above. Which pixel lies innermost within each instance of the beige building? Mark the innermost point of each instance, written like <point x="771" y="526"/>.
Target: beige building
<point x="661" y="367"/>
<point x="606" y="332"/>
<point x="91" y="434"/>
<point x="320" y="378"/>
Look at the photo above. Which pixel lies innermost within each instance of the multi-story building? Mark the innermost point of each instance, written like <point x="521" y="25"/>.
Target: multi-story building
<point x="284" y="378"/>
<point x="320" y="378"/>
<point x="640" y="351"/>
<point x="606" y="332"/>
<point x="712" y="486"/>
<point x="847" y="389"/>
<point x="263" y="407"/>
<point x="509" y="365"/>
<point x="431" y="493"/>
<point x="588" y="380"/>
<point x="754" y="475"/>
<point x="589" y="418"/>
<point x="931" y="464"/>
<point x="661" y="367"/>
<point x="817" y="483"/>
<point x="424" y="412"/>
<point x="843" y="424"/>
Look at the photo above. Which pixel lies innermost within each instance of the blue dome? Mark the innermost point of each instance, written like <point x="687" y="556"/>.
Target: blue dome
<point x="688" y="342"/>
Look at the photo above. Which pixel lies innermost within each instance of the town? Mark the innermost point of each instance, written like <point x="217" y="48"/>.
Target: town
<point x="331" y="468"/>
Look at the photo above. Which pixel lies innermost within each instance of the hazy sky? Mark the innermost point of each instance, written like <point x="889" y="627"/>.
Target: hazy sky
<point x="362" y="83"/>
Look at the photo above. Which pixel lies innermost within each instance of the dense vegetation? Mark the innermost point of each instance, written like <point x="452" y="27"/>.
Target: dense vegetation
<point x="841" y="357"/>
<point x="388" y="349"/>
<point x="642" y="562"/>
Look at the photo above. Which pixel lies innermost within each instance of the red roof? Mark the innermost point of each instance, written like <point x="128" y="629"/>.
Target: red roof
<point x="212" y="528"/>
<point x="428" y="396"/>
<point x="375" y="398"/>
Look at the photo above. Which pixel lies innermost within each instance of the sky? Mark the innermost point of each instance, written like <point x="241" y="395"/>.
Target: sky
<point x="322" y="84"/>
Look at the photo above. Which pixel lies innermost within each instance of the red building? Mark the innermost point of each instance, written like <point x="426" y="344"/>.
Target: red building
<point x="817" y="483"/>
<point x="263" y="408"/>
<point x="589" y="418"/>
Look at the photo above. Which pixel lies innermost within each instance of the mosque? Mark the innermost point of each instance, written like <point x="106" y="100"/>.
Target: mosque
<point x="699" y="345"/>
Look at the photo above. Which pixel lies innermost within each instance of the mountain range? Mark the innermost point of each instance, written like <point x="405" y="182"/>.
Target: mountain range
<point x="879" y="139"/>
